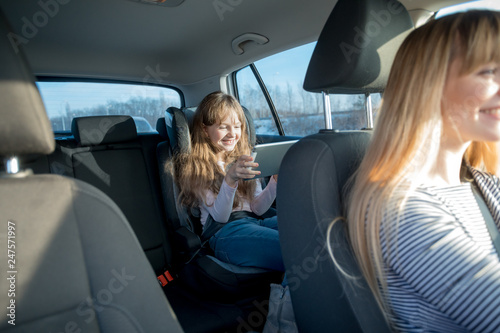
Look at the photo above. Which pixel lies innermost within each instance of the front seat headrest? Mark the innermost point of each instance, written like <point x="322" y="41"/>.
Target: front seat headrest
<point x="356" y="47"/>
<point x="25" y="127"/>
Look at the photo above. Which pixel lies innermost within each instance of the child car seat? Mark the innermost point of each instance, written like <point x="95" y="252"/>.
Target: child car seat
<point x="197" y="266"/>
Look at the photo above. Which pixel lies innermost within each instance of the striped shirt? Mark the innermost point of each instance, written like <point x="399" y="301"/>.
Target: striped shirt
<point x="443" y="272"/>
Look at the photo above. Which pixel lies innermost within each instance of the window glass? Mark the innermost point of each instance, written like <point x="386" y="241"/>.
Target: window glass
<point x="300" y="112"/>
<point x="481" y="4"/>
<point x="67" y="100"/>
<point x="252" y="97"/>
<point x="348" y="111"/>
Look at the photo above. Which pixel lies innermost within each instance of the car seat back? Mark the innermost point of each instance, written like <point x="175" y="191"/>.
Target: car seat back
<point x="354" y="54"/>
<point x="308" y="201"/>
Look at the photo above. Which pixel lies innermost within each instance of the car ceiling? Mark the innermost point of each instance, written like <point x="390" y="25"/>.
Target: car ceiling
<point x="182" y="45"/>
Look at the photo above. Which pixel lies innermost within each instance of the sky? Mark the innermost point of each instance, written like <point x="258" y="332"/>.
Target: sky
<point x="288" y="66"/>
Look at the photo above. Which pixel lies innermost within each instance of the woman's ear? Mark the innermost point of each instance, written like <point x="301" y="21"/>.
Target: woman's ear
<point x="204" y="128"/>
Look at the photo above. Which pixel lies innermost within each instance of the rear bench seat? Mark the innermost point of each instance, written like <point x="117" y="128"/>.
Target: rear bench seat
<point x="106" y="152"/>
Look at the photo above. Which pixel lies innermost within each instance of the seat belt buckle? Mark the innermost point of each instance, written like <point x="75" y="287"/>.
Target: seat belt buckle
<point x="165" y="278"/>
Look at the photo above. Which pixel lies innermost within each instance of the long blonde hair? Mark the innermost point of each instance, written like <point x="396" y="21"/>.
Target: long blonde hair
<point x="409" y="128"/>
<point x="198" y="171"/>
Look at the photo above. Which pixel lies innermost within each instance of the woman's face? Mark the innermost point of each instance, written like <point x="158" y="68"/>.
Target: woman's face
<point x="471" y="104"/>
<point x="226" y="134"/>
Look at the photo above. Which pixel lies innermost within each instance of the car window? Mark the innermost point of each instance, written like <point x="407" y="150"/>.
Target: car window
<point x="67" y="100"/>
<point x="252" y="97"/>
<point x="481" y="4"/>
<point x="300" y="112"/>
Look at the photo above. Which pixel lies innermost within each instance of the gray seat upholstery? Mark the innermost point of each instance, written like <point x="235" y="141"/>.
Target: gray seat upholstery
<point x="315" y="170"/>
<point x="78" y="265"/>
<point x="308" y="201"/>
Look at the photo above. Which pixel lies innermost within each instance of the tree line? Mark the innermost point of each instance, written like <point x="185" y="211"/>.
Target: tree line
<point x="298" y="109"/>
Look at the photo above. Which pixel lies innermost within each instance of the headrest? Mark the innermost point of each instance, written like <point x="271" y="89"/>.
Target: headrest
<point x="356" y="48"/>
<point x="179" y="121"/>
<point x="161" y="127"/>
<point x="25" y="127"/>
<point x="101" y="130"/>
<point x="178" y="130"/>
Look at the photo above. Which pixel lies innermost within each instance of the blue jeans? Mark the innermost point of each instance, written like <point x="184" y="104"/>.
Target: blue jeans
<point x="249" y="242"/>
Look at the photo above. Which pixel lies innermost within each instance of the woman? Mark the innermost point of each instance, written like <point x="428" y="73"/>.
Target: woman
<point x="417" y="229"/>
<point x="216" y="176"/>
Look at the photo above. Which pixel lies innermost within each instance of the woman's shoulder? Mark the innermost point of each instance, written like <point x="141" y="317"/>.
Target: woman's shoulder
<point x="428" y="193"/>
<point x="425" y="211"/>
<point x="428" y="200"/>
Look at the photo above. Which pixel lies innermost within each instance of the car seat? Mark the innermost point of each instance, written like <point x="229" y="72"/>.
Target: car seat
<point x="353" y="55"/>
<point x="74" y="262"/>
<point x="198" y="268"/>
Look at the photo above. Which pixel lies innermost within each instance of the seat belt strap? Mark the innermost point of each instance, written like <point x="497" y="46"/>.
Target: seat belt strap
<point x="490" y="223"/>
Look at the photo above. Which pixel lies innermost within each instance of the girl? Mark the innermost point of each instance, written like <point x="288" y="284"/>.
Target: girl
<point x="216" y="176"/>
<point x="424" y="194"/>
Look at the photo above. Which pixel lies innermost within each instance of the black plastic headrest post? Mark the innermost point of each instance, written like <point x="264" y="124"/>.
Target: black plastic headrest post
<point x="326" y="110"/>
<point x="356" y="48"/>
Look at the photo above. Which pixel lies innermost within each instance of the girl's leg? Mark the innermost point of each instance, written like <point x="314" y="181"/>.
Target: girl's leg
<point x="271" y="222"/>
<point x="246" y="242"/>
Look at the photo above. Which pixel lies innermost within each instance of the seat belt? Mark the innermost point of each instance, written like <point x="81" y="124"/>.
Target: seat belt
<point x="165" y="278"/>
<point x="490" y="223"/>
<point x="212" y="226"/>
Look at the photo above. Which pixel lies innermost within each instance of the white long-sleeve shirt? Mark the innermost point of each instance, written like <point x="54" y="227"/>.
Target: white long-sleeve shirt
<point x="443" y="272"/>
<point x="220" y="206"/>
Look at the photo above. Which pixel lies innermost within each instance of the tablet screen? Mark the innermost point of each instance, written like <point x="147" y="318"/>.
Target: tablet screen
<point x="269" y="156"/>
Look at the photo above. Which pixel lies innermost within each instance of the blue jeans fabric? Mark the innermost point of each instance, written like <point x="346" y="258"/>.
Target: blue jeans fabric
<point x="249" y="242"/>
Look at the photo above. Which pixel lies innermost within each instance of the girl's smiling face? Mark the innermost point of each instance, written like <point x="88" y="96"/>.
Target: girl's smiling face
<point x="471" y="104"/>
<point x="226" y="134"/>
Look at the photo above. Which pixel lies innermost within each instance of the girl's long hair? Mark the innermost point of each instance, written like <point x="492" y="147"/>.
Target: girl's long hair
<point x="408" y="130"/>
<point x="198" y="171"/>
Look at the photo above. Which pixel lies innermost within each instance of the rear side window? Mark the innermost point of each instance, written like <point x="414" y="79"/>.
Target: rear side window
<point x="300" y="112"/>
<point x="67" y="100"/>
<point x="252" y="97"/>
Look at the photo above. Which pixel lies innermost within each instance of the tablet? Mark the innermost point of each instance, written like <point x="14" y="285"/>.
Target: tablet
<point x="269" y="156"/>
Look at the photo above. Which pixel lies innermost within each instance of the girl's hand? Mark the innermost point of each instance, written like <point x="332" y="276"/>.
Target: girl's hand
<point x="275" y="178"/>
<point x="240" y="169"/>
